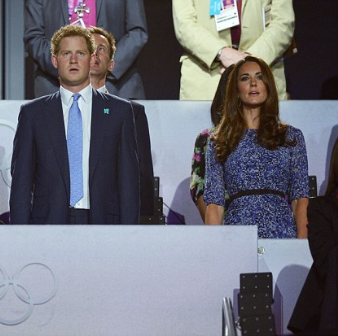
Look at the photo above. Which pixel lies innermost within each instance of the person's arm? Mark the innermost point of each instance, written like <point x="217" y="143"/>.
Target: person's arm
<point x="214" y="192"/>
<point x="277" y="36"/>
<point x="299" y="208"/>
<point x="322" y="229"/>
<point x="197" y="177"/>
<point x="128" y="171"/>
<point x="35" y="38"/>
<point x="201" y="207"/>
<point x="145" y="160"/>
<point x="193" y="35"/>
<point x="214" y="214"/>
<point x="130" y="45"/>
<point x="22" y="170"/>
<point x="299" y="181"/>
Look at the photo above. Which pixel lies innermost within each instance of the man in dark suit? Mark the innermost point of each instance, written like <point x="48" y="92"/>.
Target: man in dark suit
<point x="316" y="309"/>
<point x="103" y="65"/>
<point x="125" y="18"/>
<point x="42" y="165"/>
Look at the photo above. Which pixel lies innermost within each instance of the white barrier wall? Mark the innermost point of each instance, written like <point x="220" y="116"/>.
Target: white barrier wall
<point x="120" y="280"/>
<point x="174" y="126"/>
<point x="137" y="280"/>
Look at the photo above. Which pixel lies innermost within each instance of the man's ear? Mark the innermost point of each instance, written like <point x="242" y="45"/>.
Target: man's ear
<point x="54" y="61"/>
<point x="111" y="66"/>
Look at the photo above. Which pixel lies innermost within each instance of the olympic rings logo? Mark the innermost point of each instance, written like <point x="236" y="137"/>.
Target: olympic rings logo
<point x="22" y="293"/>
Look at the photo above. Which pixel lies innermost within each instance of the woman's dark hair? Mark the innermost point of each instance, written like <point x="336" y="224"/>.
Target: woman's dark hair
<point x="333" y="172"/>
<point x="271" y="132"/>
<point x="217" y="105"/>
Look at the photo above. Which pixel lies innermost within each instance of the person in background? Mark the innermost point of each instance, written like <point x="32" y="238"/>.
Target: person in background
<point x="316" y="309"/>
<point x="100" y="68"/>
<point x="125" y="18"/>
<point x="75" y="153"/>
<point x="197" y="178"/>
<point x="264" y="29"/>
<point x="257" y="159"/>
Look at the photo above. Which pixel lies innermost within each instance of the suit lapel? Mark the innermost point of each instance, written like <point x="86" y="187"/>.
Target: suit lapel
<point x="55" y="124"/>
<point x="99" y="123"/>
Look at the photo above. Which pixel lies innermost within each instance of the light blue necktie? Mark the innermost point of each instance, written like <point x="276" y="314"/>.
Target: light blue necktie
<point x="75" y="145"/>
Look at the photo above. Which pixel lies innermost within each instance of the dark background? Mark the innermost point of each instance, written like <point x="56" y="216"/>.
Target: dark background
<point x="311" y="74"/>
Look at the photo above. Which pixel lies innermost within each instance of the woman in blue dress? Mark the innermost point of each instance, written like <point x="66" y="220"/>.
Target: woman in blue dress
<point x="257" y="159"/>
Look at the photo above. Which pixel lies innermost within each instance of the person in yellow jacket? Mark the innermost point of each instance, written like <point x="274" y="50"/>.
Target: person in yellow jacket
<point x="266" y="26"/>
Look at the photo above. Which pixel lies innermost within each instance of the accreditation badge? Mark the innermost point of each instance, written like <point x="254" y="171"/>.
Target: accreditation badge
<point x="228" y="16"/>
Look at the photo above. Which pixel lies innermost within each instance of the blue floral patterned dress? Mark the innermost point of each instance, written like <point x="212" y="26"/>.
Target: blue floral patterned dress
<point x="251" y="166"/>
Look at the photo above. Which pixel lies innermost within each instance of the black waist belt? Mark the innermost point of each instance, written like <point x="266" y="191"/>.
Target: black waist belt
<point x="256" y="192"/>
<point x="73" y="210"/>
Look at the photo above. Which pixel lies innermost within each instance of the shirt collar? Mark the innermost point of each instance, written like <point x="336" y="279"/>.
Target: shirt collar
<point x="66" y="95"/>
<point x="103" y="89"/>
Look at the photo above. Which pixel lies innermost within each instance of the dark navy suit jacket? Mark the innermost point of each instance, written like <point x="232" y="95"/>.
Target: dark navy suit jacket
<point x="40" y="188"/>
<point x="316" y="309"/>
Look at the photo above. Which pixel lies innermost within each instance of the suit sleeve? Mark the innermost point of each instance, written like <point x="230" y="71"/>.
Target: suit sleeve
<point x="321" y="231"/>
<point x="36" y="43"/>
<point x="23" y="171"/>
<point x="277" y="37"/>
<point x="130" y="45"/>
<point x="128" y="172"/>
<point x="192" y="35"/>
<point x="145" y="160"/>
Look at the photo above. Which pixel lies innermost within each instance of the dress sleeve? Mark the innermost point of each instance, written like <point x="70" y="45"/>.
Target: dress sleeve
<point x="299" y="176"/>
<point x="198" y="166"/>
<point x="321" y="211"/>
<point x="214" y="192"/>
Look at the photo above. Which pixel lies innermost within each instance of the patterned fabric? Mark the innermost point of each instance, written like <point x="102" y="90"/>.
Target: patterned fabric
<point x="88" y="16"/>
<point x="75" y="148"/>
<point x="198" y="165"/>
<point x="251" y="166"/>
